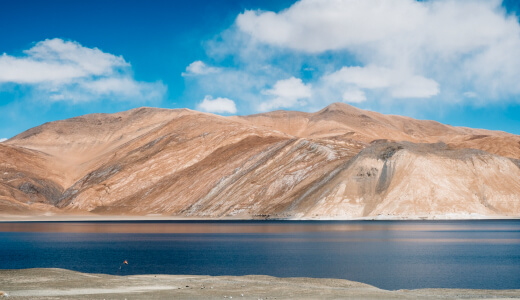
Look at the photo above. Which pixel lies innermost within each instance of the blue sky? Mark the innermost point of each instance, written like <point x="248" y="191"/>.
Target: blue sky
<point x="457" y="62"/>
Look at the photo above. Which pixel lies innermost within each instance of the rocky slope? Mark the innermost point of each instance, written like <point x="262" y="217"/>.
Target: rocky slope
<point x="340" y="162"/>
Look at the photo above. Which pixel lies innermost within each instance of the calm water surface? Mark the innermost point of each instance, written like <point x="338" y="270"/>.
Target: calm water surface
<point x="387" y="254"/>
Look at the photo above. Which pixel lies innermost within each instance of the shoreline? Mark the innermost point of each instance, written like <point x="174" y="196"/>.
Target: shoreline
<point x="52" y="283"/>
<point x="130" y="218"/>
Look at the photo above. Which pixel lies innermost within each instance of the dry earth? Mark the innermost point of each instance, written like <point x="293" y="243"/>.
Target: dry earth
<point x="338" y="163"/>
<point x="65" y="284"/>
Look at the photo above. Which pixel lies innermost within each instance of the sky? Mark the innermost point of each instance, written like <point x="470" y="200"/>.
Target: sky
<point x="456" y="62"/>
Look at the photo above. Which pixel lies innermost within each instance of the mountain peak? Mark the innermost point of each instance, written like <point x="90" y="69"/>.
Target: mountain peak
<point x="338" y="105"/>
<point x="339" y="109"/>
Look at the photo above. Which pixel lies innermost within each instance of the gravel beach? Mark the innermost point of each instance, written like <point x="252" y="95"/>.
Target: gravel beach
<point x="66" y="284"/>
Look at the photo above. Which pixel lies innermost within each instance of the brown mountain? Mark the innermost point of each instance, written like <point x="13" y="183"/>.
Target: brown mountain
<point x="340" y="162"/>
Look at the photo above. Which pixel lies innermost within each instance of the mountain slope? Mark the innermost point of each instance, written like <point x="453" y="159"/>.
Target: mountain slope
<point x="417" y="180"/>
<point x="340" y="162"/>
<point x="77" y="144"/>
<point x="27" y="180"/>
<point x="342" y="120"/>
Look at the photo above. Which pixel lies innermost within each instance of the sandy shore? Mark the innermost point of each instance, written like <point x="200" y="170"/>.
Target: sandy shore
<point x="65" y="284"/>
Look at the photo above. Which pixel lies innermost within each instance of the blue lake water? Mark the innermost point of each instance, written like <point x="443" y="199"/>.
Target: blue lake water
<point x="482" y="254"/>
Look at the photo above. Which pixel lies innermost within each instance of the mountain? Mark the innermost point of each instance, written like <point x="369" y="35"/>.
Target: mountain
<point x="339" y="163"/>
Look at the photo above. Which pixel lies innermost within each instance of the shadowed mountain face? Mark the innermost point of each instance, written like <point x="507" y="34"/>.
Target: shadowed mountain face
<point x="339" y="163"/>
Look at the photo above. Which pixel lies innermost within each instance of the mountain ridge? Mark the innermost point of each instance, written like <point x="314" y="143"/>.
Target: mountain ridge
<point x="341" y="162"/>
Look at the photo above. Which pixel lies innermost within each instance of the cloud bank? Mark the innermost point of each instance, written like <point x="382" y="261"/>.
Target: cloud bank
<point x="61" y="70"/>
<point x="372" y="50"/>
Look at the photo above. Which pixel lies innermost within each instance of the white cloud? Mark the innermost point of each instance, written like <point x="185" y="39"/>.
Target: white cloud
<point x="431" y="46"/>
<point x="58" y="61"/>
<point x="354" y="95"/>
<point x="199" y="68"/>
<point x="415" y="87"/>
<point x="369" y="77"/>
<point x="285" y="93"/>
<point x="67" y="71"/>
<point x="321" y="25"/>
<point x="217" y="105"/>
<point x="3" y="140"/>
<point x="399" y="84"/>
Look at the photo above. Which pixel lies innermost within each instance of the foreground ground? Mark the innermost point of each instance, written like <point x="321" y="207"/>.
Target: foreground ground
<point x="65" y="284"/>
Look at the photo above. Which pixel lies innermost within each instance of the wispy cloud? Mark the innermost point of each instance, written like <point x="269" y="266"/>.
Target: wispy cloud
<point x="470" y="94"/>
<point x="61" y="70"/>
<point x="199" y="68"/>
<point x="3" y="140"/>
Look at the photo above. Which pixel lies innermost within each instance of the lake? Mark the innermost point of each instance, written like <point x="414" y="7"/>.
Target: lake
<point x="480" y="254"/>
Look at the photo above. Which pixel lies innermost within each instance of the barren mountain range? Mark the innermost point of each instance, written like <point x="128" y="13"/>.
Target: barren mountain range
<point x="338" y="163"/>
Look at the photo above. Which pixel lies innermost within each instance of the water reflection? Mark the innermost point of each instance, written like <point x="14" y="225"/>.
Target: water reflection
<point x="256" y="226"/>
<point x="300" y="231"/>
